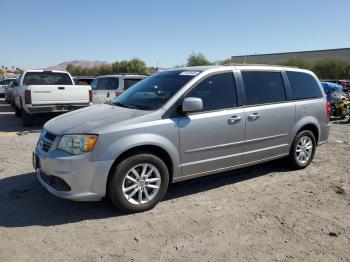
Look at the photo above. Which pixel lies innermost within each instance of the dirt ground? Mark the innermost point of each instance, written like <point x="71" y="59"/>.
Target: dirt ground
<point x="263" y="213"/>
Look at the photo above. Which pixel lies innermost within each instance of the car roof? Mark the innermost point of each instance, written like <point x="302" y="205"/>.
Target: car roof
<point x="43" y="70"/>
<point x="240" y="67"/>
<point x="124" y="76"/>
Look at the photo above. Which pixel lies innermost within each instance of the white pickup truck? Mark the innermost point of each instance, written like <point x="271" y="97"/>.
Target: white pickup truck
<point x="40" y="91"/>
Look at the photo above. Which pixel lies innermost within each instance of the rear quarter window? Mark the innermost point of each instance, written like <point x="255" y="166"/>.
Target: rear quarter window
<point x="303" y="86"/>
<point x="129" y="82"/>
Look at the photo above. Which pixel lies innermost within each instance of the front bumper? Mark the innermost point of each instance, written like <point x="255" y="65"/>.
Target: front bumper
<point x="86" y="179"/>
<point x="37" y="109"/>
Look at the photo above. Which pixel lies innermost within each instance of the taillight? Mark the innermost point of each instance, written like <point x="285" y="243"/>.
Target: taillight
<point x="117" y="93"/>
<point x="90" y="95"/>
<point x="328" y="109"/>
<point x="27" y="97"/>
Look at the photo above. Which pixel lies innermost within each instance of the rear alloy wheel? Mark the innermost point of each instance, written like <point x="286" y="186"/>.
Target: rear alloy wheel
<point x="138" y="183"/>
<point x="303" y="150"/>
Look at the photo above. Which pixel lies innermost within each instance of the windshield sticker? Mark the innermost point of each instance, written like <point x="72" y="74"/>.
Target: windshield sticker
<point x="189" y="73"/>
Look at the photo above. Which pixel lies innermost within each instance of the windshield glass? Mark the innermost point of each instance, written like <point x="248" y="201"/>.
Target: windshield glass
<point x="154" y="91"/>
<point x="46" y="78"/>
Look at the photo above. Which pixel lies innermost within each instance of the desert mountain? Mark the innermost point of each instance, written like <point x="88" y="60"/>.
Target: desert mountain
<point x="82" y="63"/>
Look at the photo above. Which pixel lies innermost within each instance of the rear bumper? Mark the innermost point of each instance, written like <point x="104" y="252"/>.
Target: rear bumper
<point x="36" y="109"/>
<point x="324" y="134"/>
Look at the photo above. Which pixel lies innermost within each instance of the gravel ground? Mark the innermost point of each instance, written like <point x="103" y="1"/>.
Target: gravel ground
<point x="263" y="213"/>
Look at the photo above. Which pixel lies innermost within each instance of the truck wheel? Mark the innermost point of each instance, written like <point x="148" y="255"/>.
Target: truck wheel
<point x="27" y="119"/>
<point x="303" y="150"/>
<point x="138" y="183"/>
<point x="18" y="112"/>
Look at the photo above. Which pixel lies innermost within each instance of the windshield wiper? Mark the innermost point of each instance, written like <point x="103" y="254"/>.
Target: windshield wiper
<point x="124" y="105"/>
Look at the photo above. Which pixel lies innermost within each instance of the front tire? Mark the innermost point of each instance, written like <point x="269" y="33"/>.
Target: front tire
<point x="303" y="150"/>
<point x="138" y="183"/>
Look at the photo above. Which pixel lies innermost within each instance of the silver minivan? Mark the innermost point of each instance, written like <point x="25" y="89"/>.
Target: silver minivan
<point x="180" y="124"/>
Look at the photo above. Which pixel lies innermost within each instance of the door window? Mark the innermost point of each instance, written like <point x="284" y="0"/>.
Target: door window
<point x="217" y="92"/>
<point x="263" y="87"/>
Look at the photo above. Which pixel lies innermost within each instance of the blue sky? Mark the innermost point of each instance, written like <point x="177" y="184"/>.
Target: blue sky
<point x="37" y="33"/>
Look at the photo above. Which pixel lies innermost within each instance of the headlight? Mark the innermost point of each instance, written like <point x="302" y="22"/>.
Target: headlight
<point x="77" y="144"/>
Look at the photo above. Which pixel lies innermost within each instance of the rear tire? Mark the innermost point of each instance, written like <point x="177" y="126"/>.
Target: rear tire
<point x="303" y="150"/>
<point x="152" y="188"/>
<point x="27" y="119"/>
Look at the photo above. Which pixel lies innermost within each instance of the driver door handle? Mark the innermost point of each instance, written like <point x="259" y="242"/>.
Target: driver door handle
<point x="234" y="120"/>
<point x="253" y="116"/>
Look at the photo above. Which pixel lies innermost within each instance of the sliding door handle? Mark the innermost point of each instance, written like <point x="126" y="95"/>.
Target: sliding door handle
<point x="253" y="116"/>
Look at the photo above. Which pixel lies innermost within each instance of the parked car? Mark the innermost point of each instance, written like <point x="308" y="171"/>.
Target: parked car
<point x="3" y="84"/>
<point x="106" y="88"/>
<point x="39" y="91"/>
<point x="83" y="80"/>
<point x="180" y="124"/>
<point x="9" y="90"/>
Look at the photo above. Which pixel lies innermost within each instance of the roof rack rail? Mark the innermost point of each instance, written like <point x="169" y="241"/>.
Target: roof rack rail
<point x="240" y="64"/>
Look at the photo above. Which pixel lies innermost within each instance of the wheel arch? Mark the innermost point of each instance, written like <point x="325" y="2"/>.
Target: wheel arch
<point x="146" y="148"/>
<point x="313" y="128"/>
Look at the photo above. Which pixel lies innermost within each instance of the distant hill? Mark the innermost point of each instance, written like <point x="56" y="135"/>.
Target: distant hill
<point x="82" y="63"/>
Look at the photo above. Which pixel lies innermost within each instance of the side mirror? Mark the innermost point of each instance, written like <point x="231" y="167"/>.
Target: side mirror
<point x="192" y="104"/>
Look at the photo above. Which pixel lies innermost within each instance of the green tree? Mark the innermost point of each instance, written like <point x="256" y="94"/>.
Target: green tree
<point x="198" y="59"/>
<point x="134" y="65"/>
<point x="332" y="69"/>
<point x="297" y="62"/>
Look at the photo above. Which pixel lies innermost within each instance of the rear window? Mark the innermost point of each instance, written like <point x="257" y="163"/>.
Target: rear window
<point x="130" y="82"/>
<point x="46" y="78"/>
<point x="263" y="87"/>
<point x="6" y="81"/>
<point x="303" y="86"/>
<point x="108" y="83"/>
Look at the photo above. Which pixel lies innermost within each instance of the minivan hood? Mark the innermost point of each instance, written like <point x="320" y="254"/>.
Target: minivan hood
<point x="90" y="119"/>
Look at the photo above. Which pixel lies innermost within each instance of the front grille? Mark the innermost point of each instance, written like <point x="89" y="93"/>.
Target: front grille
<point x="57" y="183"/>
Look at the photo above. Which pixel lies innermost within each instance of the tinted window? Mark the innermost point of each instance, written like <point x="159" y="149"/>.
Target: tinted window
<point x="303" y="85"/>
<point x="130" y="82"/>
<point x="108" y="83"/>
<point x="6" y="81"/>
<point x="217" y="92"/>
<point x="94" y="84"/>
<point x="154" y="91"/>
<point x="263" y="87"/>
<point x="46" y="78"/>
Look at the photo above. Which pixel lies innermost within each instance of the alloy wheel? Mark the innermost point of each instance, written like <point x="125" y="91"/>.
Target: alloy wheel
<point x="141" y="183"/>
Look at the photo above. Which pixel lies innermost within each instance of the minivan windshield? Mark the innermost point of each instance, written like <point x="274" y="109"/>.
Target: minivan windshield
<point x="154" y="91"/>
